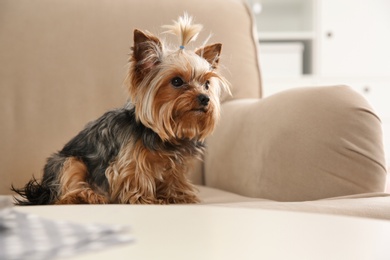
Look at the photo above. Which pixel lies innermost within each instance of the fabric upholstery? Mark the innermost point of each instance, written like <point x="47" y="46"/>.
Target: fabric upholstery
<point x="301" y="144"/>
<point x="366" y="205"/>
<point x="62" y="64"/>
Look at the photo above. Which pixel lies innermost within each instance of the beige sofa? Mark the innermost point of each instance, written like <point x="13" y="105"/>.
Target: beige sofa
<point x="62" y="64"/>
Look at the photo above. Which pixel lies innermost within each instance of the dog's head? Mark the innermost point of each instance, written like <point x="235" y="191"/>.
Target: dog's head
<point x="175" y="92"/>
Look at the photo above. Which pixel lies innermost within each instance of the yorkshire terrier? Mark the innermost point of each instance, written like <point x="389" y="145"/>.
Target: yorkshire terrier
<point x="141" y="153"/>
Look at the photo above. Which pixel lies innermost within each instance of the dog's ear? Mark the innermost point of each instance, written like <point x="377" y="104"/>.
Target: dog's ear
<point x="147" y="50"/>
<point x="210" y="53"/>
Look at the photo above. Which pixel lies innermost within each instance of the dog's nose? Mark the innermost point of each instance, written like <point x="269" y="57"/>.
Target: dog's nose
<point x="203" y="99"/>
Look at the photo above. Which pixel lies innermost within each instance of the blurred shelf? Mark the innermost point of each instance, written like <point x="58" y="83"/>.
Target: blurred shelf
<point x="286" y="35"/>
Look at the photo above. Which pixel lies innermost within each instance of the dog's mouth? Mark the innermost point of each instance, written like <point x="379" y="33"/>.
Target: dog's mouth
<point x="199" y="110"/>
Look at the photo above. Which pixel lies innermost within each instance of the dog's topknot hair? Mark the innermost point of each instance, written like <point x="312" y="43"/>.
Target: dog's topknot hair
<point x="184" y="29"/>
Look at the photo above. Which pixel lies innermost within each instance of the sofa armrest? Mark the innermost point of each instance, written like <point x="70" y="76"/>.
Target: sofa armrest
<point x="301" y="144"/>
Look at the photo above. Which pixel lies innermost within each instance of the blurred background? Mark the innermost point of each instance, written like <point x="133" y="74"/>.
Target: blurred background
<point x="326" y="42"/>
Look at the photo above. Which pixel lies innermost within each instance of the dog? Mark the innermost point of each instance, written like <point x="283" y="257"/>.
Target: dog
<point x="141" y="153"/>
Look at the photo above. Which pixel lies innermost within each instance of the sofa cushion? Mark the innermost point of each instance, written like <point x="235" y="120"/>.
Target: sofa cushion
<point x="302" y="144"/>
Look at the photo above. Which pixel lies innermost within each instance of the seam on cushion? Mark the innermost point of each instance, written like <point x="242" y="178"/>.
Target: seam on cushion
<point x="368" y="157"/>
<point x="369" y="111"/>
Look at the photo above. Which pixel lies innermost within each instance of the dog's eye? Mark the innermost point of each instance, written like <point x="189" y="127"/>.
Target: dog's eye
<point x="207" y="85"/>
<point x="177" y="82"/>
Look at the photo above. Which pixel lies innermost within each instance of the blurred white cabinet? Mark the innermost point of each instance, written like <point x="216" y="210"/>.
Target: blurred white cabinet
<point x="281" y="59"/>
<point x="340" y="37"/>
<point x="288" y="23"/>
<point x="354" y="37"/>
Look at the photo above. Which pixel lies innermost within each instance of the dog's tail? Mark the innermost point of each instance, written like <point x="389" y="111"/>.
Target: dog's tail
<point x="34" y="193"/>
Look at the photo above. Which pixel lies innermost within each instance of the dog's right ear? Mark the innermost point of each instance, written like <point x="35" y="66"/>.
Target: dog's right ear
<point x="210" y="53"/>
<point x="147" y="51"/>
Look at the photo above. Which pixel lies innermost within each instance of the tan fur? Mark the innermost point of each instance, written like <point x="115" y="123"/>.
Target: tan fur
<point x="129" y="182"/>
<point x="73" y="186"/>
<point x="140" y="176"/>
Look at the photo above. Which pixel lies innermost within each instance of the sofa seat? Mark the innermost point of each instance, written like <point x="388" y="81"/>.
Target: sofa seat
<point x="368" y="205"/>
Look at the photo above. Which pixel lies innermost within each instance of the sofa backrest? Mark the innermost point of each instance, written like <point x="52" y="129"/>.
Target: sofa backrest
<point x="63" y="62"/>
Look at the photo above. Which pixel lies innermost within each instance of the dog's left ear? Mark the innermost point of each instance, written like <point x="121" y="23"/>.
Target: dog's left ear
<point x="210" y="53"/>
<point x="147" y="50"/>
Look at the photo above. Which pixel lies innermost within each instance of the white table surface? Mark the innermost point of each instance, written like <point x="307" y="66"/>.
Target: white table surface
<point x="212" y="232"/>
